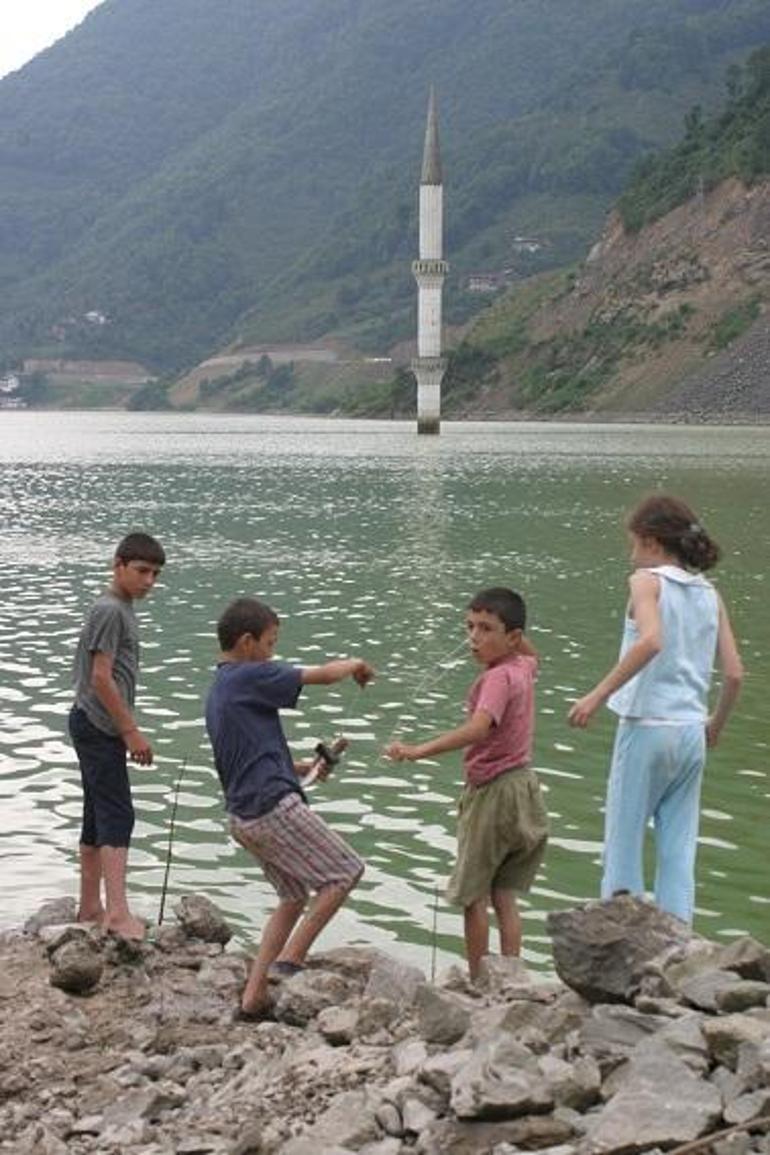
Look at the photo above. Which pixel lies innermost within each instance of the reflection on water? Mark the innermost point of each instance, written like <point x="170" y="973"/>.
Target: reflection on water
<point x="368" y="541"/>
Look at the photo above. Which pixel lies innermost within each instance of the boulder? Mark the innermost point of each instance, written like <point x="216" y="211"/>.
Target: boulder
<point x="201" y="919"/>
<point x="439" y="1070"/>
<point x="600" y="949"/>
<point x="748" y="958"/>
<point x="393" y="980"/>
<point x="409" y="1055"/>
<point x="500" y="1081"/>
<point x="661" y="1104"/>
<point x="575" y="1084"/>
<point x="53" y="912"/>
<point x="455" y="1137"/>
<point x="305" y="994"/>
<point x="443" y="1017"/>
<point x="744" y="995"/>
<point x="348" y="1122"/>
<point x="703" y="990"/>
<point x="77" y="965"/>
<point x="611" y="1032"/>
<point x="725" y="1034"/>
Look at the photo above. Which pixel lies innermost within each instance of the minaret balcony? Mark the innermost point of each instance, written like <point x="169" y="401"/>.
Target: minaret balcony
<point x="430" y="267"/>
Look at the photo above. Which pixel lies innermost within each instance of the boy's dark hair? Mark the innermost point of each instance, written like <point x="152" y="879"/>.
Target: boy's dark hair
<point x="675" y="526"/>
<point x="140" y="547"/>
<point x="503" y="603"/>
<point x="244" y="616"/>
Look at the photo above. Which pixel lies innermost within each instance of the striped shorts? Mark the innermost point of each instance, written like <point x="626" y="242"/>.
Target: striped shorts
<point x="297" y="850"/>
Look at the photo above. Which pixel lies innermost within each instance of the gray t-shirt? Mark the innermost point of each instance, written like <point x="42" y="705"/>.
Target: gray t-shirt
<point x="110" y="628"/>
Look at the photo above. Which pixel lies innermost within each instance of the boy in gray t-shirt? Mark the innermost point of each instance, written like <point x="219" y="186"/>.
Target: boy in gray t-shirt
<point x="104" y="731"/>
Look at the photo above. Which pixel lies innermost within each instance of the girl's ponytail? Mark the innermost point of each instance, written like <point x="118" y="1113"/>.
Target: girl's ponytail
<point x="671" y="522"/>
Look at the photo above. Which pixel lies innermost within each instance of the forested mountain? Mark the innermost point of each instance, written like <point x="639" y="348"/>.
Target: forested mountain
<point x="196" y="172"/>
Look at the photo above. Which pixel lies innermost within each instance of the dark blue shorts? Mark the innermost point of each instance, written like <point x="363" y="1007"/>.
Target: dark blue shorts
<point x="108" y="812"/>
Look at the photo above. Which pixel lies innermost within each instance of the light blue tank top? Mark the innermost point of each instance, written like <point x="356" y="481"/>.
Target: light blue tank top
<point x="674" y="686"/>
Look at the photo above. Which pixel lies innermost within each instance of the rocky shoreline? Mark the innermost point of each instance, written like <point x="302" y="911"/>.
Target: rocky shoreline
<point x="650" y="1040"/>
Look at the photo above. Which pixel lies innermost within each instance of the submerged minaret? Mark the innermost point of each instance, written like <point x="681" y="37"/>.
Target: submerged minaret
<point x="430" y="270"/>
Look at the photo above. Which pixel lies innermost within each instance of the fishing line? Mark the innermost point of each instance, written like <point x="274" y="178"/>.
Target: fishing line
<point x="431" y="679"/>
<point x="170" y="849"/>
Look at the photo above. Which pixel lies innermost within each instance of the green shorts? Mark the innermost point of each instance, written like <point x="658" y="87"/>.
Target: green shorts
<point x="502" y="831"/>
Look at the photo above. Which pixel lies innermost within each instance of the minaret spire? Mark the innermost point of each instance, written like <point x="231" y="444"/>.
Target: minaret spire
<point x="430" y="270"/>
<point x="431" y="154"/>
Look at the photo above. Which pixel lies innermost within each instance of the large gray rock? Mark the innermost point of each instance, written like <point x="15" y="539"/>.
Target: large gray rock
<point x="611" y="1032"/>
<point x="661" y="1104"/>
<point x="500" y="1081"/>
<point x="575" y="1084"/>
<point x="743" y="996"/>
<point x="53" y="912"/>
<point x="601" y="948"/>
<point x="77" y="965"/>
<point x="304" y="995"/>
<point x="393" y="980"/>
<point x="703" y="990"/>
<point x="727" y="1033"/>
<point x="455" y="1137"/>
<point x="348" y="1122"/>
<point x="443" y="1017"/>
<point x="201" y="919"/>
<point x="748" y="958"/>
<point x="337" y="1024"/>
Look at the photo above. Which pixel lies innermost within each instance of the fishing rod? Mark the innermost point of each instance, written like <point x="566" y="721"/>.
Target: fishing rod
<point x="170" y="848"/>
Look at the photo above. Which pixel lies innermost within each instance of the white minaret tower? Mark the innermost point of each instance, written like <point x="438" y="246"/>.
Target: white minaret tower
<point x="430" y="270"/>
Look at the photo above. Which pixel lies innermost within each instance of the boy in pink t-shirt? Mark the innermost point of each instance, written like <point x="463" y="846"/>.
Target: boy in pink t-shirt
<point x="503" y="824"/>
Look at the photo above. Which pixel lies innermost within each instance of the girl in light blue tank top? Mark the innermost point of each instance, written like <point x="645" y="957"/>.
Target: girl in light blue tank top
<point x="676" y="625"/>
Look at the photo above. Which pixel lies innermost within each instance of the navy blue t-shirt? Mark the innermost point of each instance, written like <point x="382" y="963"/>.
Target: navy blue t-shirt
<point x="251" y="754"/>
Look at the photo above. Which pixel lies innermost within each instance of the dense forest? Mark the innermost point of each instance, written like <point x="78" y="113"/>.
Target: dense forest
<point x="735" y="143"/>
<point x="181" y="174"/>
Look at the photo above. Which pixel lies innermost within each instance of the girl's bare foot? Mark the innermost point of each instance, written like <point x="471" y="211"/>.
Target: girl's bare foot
<point x="127" y="927"/>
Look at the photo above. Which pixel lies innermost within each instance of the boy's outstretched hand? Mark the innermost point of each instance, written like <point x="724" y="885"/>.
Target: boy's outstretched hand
<point x="363" y="673"/>
<point x="400" y="752"/>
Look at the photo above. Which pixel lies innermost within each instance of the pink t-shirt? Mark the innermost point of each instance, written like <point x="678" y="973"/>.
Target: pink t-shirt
<point x="505" y="691"/>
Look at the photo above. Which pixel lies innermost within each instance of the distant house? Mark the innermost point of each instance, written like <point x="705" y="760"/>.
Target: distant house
<point x="526" y="245"/>
<point x="94" y="317"/>
<point x="487" y="282"/>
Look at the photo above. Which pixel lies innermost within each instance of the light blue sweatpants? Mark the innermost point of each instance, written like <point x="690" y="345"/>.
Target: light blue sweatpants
<point x="656" y="774"/>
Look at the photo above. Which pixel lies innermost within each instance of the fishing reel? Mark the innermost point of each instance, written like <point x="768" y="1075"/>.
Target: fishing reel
<point x="326" y="757"/>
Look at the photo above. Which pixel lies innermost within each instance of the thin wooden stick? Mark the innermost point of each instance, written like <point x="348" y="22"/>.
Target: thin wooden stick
<point x="705" y="1141"/>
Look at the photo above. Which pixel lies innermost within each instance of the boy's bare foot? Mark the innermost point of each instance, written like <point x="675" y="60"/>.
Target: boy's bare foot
<point x="259" y="1013"/>
<point x="96" y="915"/>
<point x="127" y="927"/>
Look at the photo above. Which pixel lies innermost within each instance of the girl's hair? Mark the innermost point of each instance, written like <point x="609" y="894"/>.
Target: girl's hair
<point x="671" y="522"/>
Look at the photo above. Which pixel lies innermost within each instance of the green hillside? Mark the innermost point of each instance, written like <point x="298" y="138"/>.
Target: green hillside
<point x="736" y="143"/>
<point x="205" y="172"/>
<point x="656" y="303"/>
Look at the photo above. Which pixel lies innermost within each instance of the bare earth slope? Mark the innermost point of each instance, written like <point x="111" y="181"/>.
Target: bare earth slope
<point x="669" y="322"/>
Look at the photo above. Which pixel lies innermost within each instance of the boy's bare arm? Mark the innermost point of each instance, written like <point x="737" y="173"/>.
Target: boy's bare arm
<point x="336" y="671"/>
<point x="476" y="728"/>
<point x="732" y="677"/>
<point x="107" y="692"/>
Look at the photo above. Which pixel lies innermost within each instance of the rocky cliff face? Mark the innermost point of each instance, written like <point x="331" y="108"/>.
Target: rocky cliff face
<point x="669" y="322"/>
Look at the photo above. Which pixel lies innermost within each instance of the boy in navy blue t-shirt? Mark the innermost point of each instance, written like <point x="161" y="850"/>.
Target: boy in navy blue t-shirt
<point x="268" y="811"/>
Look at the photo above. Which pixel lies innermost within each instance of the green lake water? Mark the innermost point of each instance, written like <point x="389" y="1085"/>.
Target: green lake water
<point x="368" y="541"/>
